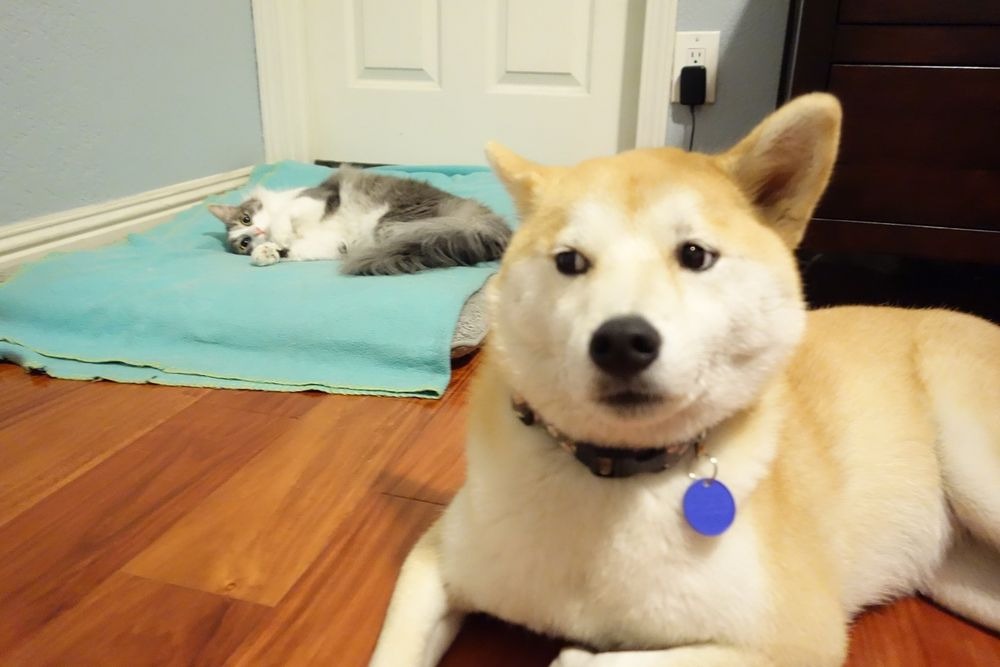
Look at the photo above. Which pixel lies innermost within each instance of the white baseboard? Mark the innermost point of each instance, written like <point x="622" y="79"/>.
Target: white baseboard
<point x="100" y="224"/>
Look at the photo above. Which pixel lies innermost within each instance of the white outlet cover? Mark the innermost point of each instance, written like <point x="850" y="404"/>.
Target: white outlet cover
<point x="696" y="40"/>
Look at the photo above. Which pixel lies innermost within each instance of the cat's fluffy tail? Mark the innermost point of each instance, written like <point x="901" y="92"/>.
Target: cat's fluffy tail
<point x="431" y="243"/>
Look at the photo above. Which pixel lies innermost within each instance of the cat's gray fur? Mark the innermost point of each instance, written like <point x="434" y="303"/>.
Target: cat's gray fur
<point x="424" y="228"/>
<point x="427" y="243"/>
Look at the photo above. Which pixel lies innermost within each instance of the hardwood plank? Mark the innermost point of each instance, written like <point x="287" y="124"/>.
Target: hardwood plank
<point x="132" y="621"/>
<point x="332" y="616"/>
<point x="487" y="642"/>
<point x="334" y="613"/>
<point x="279" y="403"/>
<point x="911" y="632"/>
<point x="23" y="394"/>
<point x="258" y="533"/>
<point x="431" y="466"/>
<point x="55" y="553"/>
<point x="64" y="600"/>
<point x="49" y="448"/>
<point x="915" y="633"/>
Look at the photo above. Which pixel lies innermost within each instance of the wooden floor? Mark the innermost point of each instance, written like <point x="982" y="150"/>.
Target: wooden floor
<point x="145" y="525"/>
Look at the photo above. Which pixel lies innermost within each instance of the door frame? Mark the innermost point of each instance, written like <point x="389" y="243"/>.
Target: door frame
<point x="281" y="76"/>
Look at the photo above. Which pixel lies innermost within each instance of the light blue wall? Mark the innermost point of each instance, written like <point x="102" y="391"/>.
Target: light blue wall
<point x="101" y="99"/>
<point x="751" y="45"/>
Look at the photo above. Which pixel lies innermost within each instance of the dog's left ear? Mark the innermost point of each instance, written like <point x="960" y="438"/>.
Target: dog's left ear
<point x="784" y="164"/>
<point x="525" y="180"/>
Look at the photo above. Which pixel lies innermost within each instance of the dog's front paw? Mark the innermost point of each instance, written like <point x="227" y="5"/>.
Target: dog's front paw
<point x="265" y="254"/>
<point x="574" y="657"/>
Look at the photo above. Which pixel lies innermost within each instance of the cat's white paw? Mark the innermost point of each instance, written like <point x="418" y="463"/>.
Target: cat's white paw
<point x="574" y="657"/>
<point x="265" y="254"/>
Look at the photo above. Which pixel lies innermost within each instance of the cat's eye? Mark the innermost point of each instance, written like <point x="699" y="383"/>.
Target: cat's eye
<point x="571" y="263"/>
<point x="245" y="219"/>
<point x="244" y="242"/>
<point x="695" y="256"/>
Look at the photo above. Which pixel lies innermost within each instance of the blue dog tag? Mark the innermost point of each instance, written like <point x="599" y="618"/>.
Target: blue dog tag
<point x="709" y="507"/>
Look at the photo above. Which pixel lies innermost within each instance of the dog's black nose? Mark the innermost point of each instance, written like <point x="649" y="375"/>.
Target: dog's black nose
<point x="624" y="346"/>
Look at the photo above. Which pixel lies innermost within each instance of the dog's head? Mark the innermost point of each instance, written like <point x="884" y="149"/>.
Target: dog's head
<point x="649" y="295"/>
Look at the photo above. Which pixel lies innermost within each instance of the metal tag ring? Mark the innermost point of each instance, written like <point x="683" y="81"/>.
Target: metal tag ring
<point x="715" y="470"/>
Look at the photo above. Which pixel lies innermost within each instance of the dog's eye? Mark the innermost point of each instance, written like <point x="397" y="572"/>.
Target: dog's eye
<point x="696" y="257"/>
<point x="571" y="263"/>
<point x="245" y="219"/>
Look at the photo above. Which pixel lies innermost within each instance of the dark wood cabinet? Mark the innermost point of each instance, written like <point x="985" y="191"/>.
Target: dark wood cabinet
<point x="919" y="168"/>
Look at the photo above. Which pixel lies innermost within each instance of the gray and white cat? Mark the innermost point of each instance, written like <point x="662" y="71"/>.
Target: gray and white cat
<point x="376" y="223"/>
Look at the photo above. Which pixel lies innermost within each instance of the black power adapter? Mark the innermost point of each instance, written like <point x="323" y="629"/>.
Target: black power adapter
<point x="693" y="84"/>
<point x="694" y="81"/>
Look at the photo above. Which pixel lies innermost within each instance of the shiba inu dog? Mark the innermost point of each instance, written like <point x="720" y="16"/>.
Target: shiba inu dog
<point x="670" y="462"/>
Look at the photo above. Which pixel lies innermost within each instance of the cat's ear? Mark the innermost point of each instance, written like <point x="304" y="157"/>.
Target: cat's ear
<point x="225" y="213"/>
<point x="784" y="164"/>
<point x="525" y="180"/>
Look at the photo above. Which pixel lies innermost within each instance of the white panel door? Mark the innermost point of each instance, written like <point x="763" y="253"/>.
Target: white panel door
<point x="429" y="81"/>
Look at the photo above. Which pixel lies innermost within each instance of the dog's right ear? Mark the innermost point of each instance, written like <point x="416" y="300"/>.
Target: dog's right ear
<point x="225" y="213"/>
<point x="525" y="180"/>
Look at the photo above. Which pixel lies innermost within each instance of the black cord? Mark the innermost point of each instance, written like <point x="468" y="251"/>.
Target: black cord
<point x="691" y="139"/>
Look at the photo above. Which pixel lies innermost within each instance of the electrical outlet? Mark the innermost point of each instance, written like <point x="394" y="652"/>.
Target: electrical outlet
<point x="696" y="48"/>
<point x="694" y="57"/>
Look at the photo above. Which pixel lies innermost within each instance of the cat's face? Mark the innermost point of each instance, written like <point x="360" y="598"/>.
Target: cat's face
<point x="247" y="224"/>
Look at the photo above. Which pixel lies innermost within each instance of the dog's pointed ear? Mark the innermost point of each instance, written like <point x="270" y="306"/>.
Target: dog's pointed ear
<point x="525" y="180"/>
<point x="784" y="164"/>
<point x="223" y="212"/>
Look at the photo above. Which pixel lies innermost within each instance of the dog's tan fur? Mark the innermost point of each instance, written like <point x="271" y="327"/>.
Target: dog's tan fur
<point x="862" y="445"/>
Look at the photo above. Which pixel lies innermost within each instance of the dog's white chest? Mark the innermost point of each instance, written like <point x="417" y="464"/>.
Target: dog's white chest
<point x="607" y="562"/>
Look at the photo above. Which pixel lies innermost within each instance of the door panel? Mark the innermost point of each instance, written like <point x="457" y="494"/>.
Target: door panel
<point x="392" y="44"/>
<point x="430" y="81"/>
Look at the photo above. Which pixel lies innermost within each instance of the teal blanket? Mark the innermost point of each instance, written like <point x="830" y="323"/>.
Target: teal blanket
<point x="171" y="306"/>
